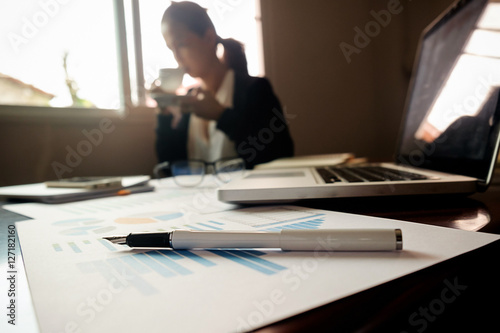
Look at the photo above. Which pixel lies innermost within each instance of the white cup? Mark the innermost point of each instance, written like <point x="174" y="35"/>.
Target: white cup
<point x="169" y="79"/>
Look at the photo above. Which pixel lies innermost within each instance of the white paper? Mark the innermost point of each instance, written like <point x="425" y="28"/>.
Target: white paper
<point x="41" y="191"/>
<point x="167" y="195"/>
<point x="79" y="282"/>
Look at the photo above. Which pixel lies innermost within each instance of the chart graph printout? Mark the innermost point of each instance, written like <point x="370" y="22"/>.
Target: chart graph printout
<point x="80" y="283"/>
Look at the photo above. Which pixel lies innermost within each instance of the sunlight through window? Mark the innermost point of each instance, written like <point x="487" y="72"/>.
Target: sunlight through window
<point x="60" y="54"/>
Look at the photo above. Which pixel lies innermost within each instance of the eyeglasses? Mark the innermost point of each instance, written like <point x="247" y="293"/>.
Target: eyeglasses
<point x="190" y="173"/>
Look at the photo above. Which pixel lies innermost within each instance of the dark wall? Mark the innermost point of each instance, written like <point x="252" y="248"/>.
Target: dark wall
<point x="338" y="104"/>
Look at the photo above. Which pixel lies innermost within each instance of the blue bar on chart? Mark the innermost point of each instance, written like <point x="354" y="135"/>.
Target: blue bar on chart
<point x="115" y="270"/>
<point x="136" y="267"/>
<point x="135" y="264"/>
<point x="208" y="226"/>
<point x="131" y="276"/>
<point x="215" y="222"/>
<point x="294" y="220"/>
<point x="169" y="263"/>
<point x="196" y="258"/>
<point x="192" y="227"/>
<point x="311" y="224"/>
<point x="87" y="244"/>
<point x="74" y="247"/>
<point x="154" y="265"/>
<point x="257" y="260"/>
<point x="171" y="254"/>
<point x="254" y="252"/>
<point x="250" y="261"/>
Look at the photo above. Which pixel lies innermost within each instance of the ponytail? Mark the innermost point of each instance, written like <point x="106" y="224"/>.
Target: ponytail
<point x="196" y="19"/>
<point x="234" y="55"/>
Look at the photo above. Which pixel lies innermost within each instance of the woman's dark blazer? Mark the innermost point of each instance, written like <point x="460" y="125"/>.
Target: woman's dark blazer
<point x="256" y="124"/>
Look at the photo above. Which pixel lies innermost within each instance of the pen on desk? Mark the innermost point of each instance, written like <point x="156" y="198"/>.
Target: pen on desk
<point x="287" y="239"/>
<point x="132" y="190"/>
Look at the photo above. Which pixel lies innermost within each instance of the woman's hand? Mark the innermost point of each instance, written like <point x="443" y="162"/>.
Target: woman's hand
<point x="200" y="102"/>
<point x="176" y="113"/>
<point x="203" y="104"/>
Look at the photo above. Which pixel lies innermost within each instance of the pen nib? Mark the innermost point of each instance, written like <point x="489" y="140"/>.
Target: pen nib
<point x="122" y="240"/>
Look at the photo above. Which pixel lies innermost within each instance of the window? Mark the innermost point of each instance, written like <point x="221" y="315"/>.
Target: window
<point x="71" y="55"/>
<point x="59" y="54"/>
<point x="235" y="19"/>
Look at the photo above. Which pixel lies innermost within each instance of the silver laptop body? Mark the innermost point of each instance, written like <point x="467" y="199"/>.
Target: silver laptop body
<point x="449" y="138"/>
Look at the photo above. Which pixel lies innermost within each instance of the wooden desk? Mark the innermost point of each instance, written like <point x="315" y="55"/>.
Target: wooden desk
<point x="421" y="302"/>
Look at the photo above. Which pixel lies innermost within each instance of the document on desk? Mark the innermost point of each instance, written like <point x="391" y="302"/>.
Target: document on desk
<point x="41" y="192"/>
<point x="81" y="283"/>
<point x="167" y="195"/>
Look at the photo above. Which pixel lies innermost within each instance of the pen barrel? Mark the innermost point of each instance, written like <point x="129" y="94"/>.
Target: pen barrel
<point x="342" y="240"/>
<point x="292" y="240"/>
<point x="187" y="239"/>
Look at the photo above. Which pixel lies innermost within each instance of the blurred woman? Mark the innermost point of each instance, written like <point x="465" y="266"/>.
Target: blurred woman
<point x="231" y="114"/>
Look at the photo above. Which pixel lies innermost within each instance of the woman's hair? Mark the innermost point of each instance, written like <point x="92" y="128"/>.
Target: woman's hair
<point x="196" y="20"/>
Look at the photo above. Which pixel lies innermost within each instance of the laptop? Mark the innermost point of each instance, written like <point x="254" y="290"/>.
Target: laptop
<point x="449" y="138"/>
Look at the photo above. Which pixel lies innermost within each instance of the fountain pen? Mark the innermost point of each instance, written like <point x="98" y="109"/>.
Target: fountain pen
<point x="286" y="239"/>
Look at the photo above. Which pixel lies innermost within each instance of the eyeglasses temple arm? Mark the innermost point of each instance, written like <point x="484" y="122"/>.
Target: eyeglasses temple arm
<point x="158" y="167"/>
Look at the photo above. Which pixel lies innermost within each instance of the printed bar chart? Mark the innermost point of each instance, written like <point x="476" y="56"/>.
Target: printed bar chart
<point x="140" y="269"/>
<point x="169" y="264"/>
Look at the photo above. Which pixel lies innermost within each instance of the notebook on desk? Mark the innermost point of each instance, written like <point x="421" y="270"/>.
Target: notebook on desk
<point x="53" y="195"/>
<point x="450" y="134"/>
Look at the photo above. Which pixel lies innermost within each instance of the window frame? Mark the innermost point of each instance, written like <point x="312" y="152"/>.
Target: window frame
<point x="132" y="105"/>
<point x="34" y="113"/>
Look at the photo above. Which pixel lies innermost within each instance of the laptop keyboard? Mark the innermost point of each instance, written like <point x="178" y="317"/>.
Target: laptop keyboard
<point x="357" y="174"/>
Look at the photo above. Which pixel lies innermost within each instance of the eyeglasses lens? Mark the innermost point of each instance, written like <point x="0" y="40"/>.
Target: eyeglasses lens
<point x="230" y="169"/>
<point x="188" y="173"/>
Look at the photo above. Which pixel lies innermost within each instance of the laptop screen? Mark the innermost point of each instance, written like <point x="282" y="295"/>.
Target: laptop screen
<point x="453" y="109"/>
